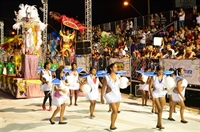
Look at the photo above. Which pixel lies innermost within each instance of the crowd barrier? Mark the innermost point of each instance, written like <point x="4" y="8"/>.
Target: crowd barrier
<point x="130" y="65"/>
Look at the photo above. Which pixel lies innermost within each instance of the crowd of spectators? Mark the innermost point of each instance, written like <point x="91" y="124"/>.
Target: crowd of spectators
<point x="137" y="42"/>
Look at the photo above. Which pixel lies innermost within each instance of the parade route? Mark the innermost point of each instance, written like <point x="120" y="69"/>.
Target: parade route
<point x="26" y="115"/>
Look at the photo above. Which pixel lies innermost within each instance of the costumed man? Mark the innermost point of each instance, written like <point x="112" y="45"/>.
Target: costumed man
<point x="66" y="42"/>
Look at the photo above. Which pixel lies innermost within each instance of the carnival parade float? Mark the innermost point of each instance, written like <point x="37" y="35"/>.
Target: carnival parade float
<point x="20" y="55"/>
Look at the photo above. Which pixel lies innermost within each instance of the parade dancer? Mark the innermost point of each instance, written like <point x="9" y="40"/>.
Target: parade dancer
<point x="144" y="87"/>
<point x="158" y="93"/>
<point x="46" y="79"/>
<point x="169" y="93"/>
<point x="178" y="94"/>
<point x="66" y="42"/>
<point x="60" y="96"/>
<point x="74" y="86"/>
<point x="94" y="83"/>
<point x="110" y="90"/>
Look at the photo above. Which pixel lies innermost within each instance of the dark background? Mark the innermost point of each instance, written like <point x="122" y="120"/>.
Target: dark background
<point x="102" y="10"/>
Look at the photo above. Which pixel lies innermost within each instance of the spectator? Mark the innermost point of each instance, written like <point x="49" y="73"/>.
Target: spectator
<point x="157" y="19"/>
<point x="181" y="18"/>
<point x="122" y="53"/>
<point x="152" y="21"/>
<point x="162" y="20"/>
<point x="180" y="53"/>
<point x="198" y="19"/>
<point x="194" y="16"/>
<point x="169" y="48"/>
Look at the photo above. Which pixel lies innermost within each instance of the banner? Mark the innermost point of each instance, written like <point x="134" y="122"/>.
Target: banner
<point x="122" y="64"/>
<point x="84" y="62"/>
<point x="185" y="3"/>
<point x="191" y="68"/>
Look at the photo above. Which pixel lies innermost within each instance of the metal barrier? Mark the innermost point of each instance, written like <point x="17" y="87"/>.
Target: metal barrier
<point x="143" y="21"/>
<point x="141" y="64"/>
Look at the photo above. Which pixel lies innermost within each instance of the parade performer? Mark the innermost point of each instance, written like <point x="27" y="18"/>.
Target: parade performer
<point x="66" y="41"/>
<point x="28" y="19"/>
<point x="60" y="96"/>
<point x="11" y="66"/>
<point x="110" y="90"/>
<point x="74" y="86"/>
<point x="158" y="93"/>
<point x="46" y="86"/>
<point x="144" y="87"/>
<point x="53" y="45"/>
<point x="178" y="94"/>
<point x="94" y="83"/>
<point x="169" y="93"/>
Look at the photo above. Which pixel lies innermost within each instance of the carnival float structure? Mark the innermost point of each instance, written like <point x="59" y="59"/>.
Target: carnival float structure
<point x="20" y="55"/>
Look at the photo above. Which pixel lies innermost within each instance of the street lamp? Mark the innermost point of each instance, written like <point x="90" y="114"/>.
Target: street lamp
<point x="127" y="3"/>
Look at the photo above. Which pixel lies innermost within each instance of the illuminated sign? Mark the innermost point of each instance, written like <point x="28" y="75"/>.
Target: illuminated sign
<point x="185" y="3"/>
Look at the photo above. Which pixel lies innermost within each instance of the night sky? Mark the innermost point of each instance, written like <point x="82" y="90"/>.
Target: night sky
<point x="103" y="10"/>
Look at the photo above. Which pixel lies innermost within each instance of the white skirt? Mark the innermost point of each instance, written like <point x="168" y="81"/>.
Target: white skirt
<point x="144" y="87"/>
<point x="158" y="93"/>
<point x="74" y="86"/>
<point x="170" y="91"/>
<point x="93" y="95"/>
<point x="58" y="101"/>
<point x="176" y="97"/>
<point x="113" y="97"/>
<point x="45" y="87"/>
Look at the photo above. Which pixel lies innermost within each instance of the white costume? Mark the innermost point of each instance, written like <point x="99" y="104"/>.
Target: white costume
<point x="74" y="85"/>
<point x="159" y="87"/>
<point x="59" y="97"/>
<point x="145" y="86"/>
<point x="33" y="38"/>
<point x="114" y="95"/>
<point x="176" y="96"/>
<point x="94" y="94"/>
<point x="48" y="77"/>
<point x="171" y="90"/>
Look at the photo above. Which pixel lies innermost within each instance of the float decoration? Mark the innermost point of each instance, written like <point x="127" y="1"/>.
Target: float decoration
<point x="67" y="21"/>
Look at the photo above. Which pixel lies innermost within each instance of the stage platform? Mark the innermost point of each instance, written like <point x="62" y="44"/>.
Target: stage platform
<point x="20" y="87"/>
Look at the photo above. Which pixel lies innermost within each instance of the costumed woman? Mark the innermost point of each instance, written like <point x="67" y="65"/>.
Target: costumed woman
<point x="158" y="93"/>
<point x="46" y="86"/>
<point x="110" y="90"/>
<point x="28" y="18"/>
<point x="94" y="83"/>
<point x="60" y="96"/>
<point x="169" y="93"/>
<point x="178" y="94"/>
<point x="74" y="86"/>
<point x="66" y="42"/>
<point x="144" y="87"/>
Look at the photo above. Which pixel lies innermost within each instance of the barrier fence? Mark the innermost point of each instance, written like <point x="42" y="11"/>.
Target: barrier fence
<point x="130" y="65"/>
<point x="143" y="21"/>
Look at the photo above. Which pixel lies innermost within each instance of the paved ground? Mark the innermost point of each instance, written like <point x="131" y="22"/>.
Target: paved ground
<point x="26" y="115"/>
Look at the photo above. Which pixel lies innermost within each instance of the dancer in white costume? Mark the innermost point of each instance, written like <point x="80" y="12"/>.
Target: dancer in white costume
<point x="169" y="93"/>
<point x="46" y="86"/>
<point x="94" y="83"/>
<point x="74" y="85"/>
<point x="60" y="96"/>
<point x="158" y="93"/>
<point x="144" y="87"/>
<point x="178" y="94"/>
<point x="110" y="90"/>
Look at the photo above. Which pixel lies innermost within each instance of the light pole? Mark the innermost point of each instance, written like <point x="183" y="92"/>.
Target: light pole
<point x="148" y="7"/>
<point x="127" y="3"/>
